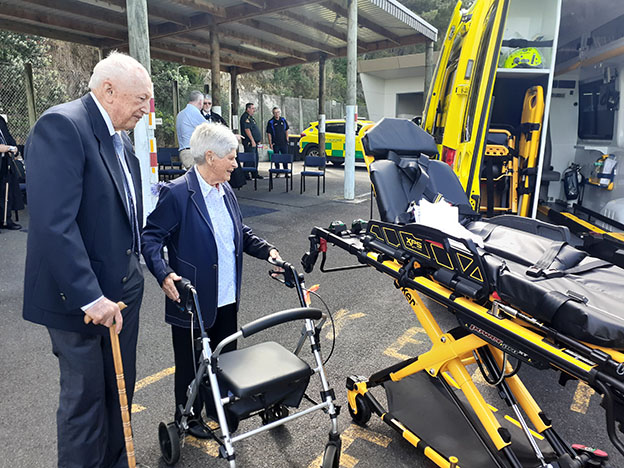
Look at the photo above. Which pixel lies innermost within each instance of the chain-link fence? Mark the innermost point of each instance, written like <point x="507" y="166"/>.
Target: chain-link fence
<point x="56" y="85"/>
<point x="52" y="86"/>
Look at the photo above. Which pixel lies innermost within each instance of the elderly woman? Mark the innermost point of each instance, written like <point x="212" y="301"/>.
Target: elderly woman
<point x="199" y="221"/>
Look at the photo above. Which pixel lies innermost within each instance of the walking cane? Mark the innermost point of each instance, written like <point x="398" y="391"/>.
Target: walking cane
<point x="6" y="203"/>
<point x="121" y="387"/>
<point x="6" y="191"/>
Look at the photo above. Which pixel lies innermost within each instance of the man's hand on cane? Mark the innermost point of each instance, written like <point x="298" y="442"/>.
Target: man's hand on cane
<point x="106" y="312"/>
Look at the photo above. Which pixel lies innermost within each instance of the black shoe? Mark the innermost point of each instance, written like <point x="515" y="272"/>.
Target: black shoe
<point x="11" y="226"/>
<point x="258" y="176"/>
<point x="198" y="429"/>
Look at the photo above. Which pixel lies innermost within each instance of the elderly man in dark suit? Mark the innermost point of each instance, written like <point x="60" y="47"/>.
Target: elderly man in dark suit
<point x="199" y="221"/>
<point x="84" y="196"/>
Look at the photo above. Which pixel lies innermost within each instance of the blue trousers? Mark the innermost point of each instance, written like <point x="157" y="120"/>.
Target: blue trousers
<point x="89" y="425"/>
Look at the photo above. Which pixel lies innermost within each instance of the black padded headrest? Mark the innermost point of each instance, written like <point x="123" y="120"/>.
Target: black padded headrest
<point x="401" y="136"/>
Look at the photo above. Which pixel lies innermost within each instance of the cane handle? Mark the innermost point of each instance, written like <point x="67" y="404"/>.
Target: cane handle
<point x="88" y="319"/>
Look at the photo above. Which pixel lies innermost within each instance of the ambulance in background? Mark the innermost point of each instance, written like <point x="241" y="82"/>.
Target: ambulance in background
<point x="525" y="106"/>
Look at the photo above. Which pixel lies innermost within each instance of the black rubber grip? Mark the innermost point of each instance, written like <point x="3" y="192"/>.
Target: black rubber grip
<point x="183" y="286"/>
<point x="278" y="318"/>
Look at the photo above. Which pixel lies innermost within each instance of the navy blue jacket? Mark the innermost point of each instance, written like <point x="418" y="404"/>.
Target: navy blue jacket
<point x="181" y="222"/>
<point x="79" y="236"/>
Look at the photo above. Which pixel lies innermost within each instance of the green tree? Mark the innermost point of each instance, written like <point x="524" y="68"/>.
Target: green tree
<point x="18" y="49"/>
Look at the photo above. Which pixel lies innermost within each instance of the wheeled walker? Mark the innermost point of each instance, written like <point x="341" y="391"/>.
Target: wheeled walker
<point x="264" y="379"/>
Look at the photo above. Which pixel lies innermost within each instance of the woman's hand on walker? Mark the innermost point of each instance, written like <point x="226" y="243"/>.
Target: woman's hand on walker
<point x="169" y="287"/>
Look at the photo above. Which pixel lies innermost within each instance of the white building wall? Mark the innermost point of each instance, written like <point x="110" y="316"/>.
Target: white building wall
<point x="381" y="94"/>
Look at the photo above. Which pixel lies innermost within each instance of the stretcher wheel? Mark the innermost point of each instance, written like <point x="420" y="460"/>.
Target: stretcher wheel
<point x="331" y="456"/>
<point x="169" y="440"/>
<point x="363" y="414"/>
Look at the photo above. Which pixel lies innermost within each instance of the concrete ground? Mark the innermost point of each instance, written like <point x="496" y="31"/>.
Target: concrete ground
<point x="375" y="328"/>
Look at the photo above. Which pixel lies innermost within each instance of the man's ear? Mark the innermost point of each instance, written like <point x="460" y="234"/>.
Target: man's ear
<point x="108" y="91"/>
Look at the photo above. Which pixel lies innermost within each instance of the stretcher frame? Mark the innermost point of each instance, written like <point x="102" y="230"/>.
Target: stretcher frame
<point x="489" y="329"/>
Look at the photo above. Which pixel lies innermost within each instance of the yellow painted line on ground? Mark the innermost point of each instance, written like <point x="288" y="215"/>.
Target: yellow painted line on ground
<point x="353" y="433"/>
<point x="137" y="408"/>
<point x="582" y="395"/>
<point x="153" y="378"/>
<point x="340" y="319"/>
<point x="407" y="337"/>
<point x="208" y="446"/>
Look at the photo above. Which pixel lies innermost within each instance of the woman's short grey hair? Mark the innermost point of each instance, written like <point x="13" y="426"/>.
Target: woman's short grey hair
<point x="195" y="96"/>
<point x="213" y="137"/>
<point x="112" y="67"/>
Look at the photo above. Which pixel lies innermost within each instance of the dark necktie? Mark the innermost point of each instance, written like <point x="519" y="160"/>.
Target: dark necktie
<point x="136" y="243"/>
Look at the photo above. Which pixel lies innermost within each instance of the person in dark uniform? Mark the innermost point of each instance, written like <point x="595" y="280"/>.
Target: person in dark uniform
<point x="277" y="133"/>
<point x="251" y="133"/>
<point x="209" y="114"/>
<point x="9" y="178"/>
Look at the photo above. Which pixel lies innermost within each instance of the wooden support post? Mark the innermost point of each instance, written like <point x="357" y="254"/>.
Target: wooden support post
<point x="215" y="64"/>
<point x="175" y="95"/>
<point x="301" y="125"/>
<point x="429" y="66"/>
<point x="144" y="141"/>
<point x="235" y="97"/>
<point x="30" y="93"/>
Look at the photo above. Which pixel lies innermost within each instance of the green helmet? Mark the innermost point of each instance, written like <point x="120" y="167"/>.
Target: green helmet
<point x="529" y="57"/>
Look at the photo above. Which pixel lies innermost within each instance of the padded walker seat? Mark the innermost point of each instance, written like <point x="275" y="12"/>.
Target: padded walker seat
<point x="260" y="369"/>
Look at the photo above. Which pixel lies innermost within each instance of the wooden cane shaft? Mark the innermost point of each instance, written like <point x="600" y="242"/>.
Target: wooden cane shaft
<point x="121" y="388"/>
<point x="123" y="398"/>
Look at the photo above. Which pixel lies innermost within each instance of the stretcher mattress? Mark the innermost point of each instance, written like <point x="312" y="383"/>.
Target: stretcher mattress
<point x="577" y="294"/>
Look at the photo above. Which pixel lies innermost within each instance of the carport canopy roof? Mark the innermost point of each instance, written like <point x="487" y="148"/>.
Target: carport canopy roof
<point x="253" y="34"/>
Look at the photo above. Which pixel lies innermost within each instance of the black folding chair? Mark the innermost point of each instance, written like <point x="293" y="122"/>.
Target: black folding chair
<point x="249" y="158"/>
<point x="167" y="168"/>
<point x="313" y="166"/>
<point x="276" y="160"/>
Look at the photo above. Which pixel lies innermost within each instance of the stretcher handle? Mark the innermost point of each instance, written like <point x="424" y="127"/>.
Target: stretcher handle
<point x="278" y="318"/>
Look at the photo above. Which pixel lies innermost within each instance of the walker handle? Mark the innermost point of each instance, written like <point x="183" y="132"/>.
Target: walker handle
<point x="278" y="318"/>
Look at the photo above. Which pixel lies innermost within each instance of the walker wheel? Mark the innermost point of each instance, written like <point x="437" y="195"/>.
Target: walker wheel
<point x="363" y="414"/>
<point x="169" y="440"/>
<point x="331" y="456"/>
<point x="273" y="413"/>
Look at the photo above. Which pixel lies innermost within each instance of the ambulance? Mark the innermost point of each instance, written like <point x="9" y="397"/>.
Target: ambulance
<point x="525" y="106"/>
<point x="334" y="140"/>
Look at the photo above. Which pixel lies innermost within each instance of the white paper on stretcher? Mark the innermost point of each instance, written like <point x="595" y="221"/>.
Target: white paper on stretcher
<point x="445" y="218"/>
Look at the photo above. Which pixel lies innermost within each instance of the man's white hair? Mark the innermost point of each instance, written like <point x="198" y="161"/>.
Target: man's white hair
<point x="114" y="66"/>
<point x="195" y="96"/>
<point x="213" y="137"/>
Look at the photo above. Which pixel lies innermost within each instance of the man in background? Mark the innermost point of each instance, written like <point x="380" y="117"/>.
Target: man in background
<point x="252" y="136"/>
<point x="209" y="114"/>
<point x="186" y="121"/>
<point x="86" y="214"/>
<point x="277" y="134"/>
<point x="10" y="194"/>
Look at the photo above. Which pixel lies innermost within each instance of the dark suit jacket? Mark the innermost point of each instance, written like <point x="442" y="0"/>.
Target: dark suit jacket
<point x="79" y="236"/>
<point x="5" y="132"/>
<point x="181" y="222"/>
